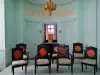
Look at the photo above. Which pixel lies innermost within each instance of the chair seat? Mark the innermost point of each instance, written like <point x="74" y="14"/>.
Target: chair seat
<point x="19" y="62"/>
<point x="89" y="61"/>
<point x="54" y="55"/>
<point x="24" y="56"/>
<point x="64" y="61"/>
<point x="42" y="61"/>
<point x="78" y="55"/>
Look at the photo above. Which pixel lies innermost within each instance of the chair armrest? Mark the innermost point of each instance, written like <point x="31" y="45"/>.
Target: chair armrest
<point x="49" y="54"/>
<point x="27" y="53"/>
<point x="72" y="57"/>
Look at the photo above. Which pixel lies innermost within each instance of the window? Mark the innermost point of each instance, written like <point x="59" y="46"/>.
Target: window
<point x="50" y="29"/>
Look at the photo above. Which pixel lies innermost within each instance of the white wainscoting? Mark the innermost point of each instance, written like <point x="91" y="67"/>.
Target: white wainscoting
<point x="69" y="33"/>
<point x="5" y="58"/>
<point x="2" y="59"/>
<point x="8" y="57"/>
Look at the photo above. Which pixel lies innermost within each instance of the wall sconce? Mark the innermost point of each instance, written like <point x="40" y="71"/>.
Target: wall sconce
<point x="60" y="31"/>
<point x="40" y="31"/>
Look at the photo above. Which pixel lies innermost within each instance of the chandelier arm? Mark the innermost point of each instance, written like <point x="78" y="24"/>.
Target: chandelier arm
<point x="49" y="6"/>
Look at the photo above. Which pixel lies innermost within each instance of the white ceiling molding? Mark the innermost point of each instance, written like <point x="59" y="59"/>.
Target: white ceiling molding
<point x="55" y="1"/>
<point x="70" y="20"/>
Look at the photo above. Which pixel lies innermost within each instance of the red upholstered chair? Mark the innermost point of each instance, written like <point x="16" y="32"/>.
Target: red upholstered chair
<point x="42" y="58"/>
<point x="78" y="50"/>
<point x="17" y="59"/>
<point x="90" y="58"/>
<point x="64" y="58"/>
<point x="25" y="52"/>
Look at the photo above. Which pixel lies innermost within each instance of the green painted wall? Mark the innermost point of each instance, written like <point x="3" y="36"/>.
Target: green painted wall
<point x="35" y="15"/>
<point x="13" y="26"/>
<point x="10" y="28"/>
<point x="80" y="15"/>
<point x="44" y="18"/>
<point x="90" y="22"/>
<point x="16" y="22"/>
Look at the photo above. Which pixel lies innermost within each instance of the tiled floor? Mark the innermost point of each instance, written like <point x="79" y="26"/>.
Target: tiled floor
<point x="63" y="70"/>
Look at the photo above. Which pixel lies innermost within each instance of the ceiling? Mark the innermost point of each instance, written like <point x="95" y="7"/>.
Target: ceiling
<point x="55" y="1"/>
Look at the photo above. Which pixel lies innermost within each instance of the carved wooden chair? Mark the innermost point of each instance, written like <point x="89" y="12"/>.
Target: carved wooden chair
<point x="17" y="59"/>
<point x="64" y="58"/>
<point x="25" y="52"/>
<point x="90" y="58"/>
<point x="78" y="50"/>
<point x="42" y="58"/>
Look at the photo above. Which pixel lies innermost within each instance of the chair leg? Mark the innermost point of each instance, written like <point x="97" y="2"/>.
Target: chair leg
<point x="86" y="66"/>
<point x="82" y="66"/>
<point x="94" y="69"/>
<point x="52" y="61"/>
<point x="13" y="70"/>
<point x="73" y="60"/>
<point x="72" y="69"/>
<point x="22" y="67"/>
<point x="25" y="69"/>
<point x="49" y="69"/>
<point x="27" y="62"/>
<point x="57" y="67"/>
<point x="35" y="69"/>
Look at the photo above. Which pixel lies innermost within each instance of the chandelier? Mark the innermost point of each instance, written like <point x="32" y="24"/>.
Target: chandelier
<point x="49" y="6"/>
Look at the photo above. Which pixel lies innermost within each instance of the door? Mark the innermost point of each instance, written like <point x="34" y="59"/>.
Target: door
<point x="34" y="38"/>
<point x="69" y="34"/>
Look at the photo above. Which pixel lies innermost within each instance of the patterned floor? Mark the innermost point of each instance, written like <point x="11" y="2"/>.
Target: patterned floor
<point x="63" y="70"/>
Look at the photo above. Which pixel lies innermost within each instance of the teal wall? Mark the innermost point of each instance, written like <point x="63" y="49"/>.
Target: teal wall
<point x="98" y="29"/>
<point x="80" y="14"/>
<point x="44" y="18"/>
<point x="35" y="15"/>
<point x="13" y="29"/>
<point x="86" y="17"/>
<point x="90" y="22"/>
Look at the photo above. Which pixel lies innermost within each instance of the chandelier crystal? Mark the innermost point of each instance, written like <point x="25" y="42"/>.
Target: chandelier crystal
<point x="50" y="7"/>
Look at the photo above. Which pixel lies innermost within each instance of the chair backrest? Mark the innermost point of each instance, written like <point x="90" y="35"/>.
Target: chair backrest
<point x="17" y="54"/>
<point x="91" y="52"/>
<point x="55" y="48"/>
<point x="42" y="51"/>
<point x="23" y="46"/>
<point x="63" y="51"/>
<point x="77" y="47"/>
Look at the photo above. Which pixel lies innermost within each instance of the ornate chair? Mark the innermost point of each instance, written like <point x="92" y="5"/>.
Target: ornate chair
<point x="64" y="58"/>
<point x="25" y="52"/>
<point x="90" y="58"/>
<point x="78" y="50"/>
<point x="17" y="59"/>
<point x="55" y="52"/>
<point x="42" y="58"/>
